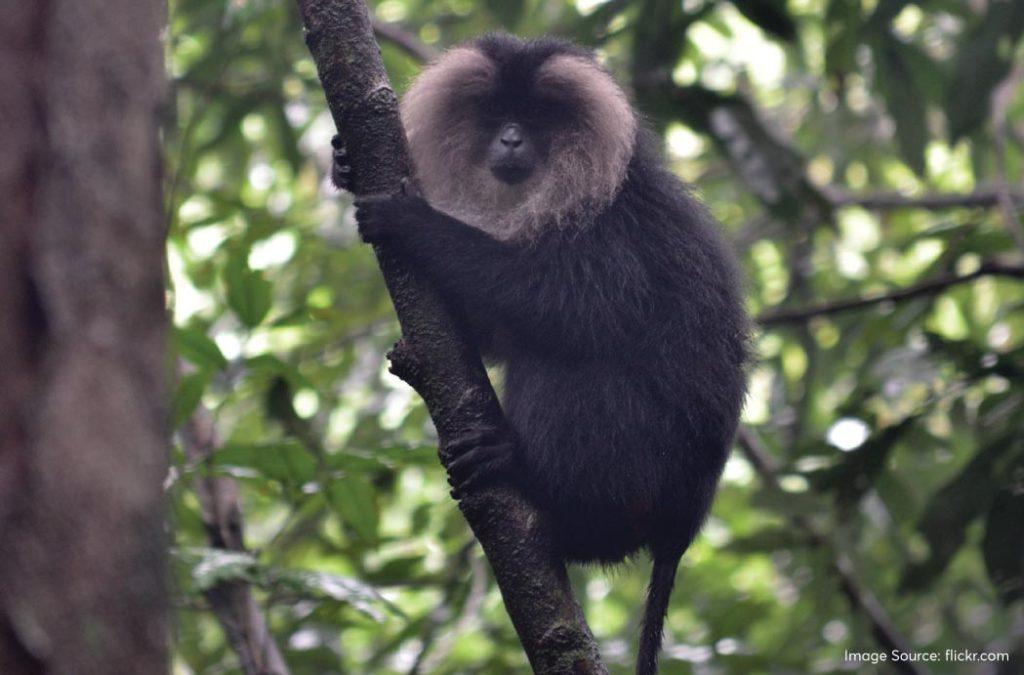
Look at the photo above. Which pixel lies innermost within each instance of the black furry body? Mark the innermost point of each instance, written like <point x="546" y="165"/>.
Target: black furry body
<point x="624" y="343"/>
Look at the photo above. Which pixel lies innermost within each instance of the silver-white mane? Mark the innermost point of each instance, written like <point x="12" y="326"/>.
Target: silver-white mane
<point x="581" y="174"/>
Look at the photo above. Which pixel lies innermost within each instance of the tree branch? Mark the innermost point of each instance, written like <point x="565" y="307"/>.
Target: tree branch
<point x="861" y="598"/>
<point x="435" y="356"/>
<point x="404" y="40"/>
<point x="885" y="201"/>
<point x="774" y="317"/>
<point x="232" y="601"/>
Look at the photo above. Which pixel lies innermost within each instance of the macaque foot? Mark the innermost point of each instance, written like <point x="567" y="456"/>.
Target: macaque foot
<point x="481" y="456"/>
<point x="341" y="170"/>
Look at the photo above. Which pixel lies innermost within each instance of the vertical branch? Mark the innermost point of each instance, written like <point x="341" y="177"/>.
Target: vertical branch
<point x="435" y="355"/>
<point x="232" y="601"/>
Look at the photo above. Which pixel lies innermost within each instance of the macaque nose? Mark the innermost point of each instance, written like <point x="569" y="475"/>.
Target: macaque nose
<point x="511" y="136"/>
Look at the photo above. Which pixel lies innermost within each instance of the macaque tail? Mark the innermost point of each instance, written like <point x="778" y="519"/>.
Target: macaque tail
<point x="663" y="578"/>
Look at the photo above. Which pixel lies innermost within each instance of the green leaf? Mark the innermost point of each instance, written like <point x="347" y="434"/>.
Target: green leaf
<point x="398" y="570"/>
<point x="272" y="368"/>
<point x="949" y="512"/>
<point x="195" y="346"/>
<point x="353" y="499"/>
<point x="355" y="461"/>
<point x="982" y="61"/>
<point x="790" y="503"/>
<point x="660" y="33"/>
<point x="187" y="396"/>
<point x="770" y="15"/>
<point x="844" y="27"/>
<point x="387" y="455"/>
<point x="248" y="293"/>
<point x="1003" y="545"/>
<point x="897" y="75"/>
<point x="860" y="468"/>
<point x="287" y="462"/>
<point x="768" y="539"/>
<point x="212" y="566"/>
<point x="353" y="592"/>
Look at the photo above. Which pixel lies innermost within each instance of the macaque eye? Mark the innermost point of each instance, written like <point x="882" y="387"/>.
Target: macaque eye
<point x="552" y="112"/>
<point x="490" y="113"/>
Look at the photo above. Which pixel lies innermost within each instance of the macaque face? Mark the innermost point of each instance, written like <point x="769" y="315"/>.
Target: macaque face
<point x="507" y="136"/>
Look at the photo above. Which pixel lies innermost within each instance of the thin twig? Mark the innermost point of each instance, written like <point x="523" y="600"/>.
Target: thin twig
<point x="775" y="317"/>
<point x="861" y="598"/>
<point x="232" y="602"/>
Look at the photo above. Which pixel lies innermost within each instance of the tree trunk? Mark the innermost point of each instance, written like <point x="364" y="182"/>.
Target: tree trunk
<point x="83" y="437"/>
<point x="435" y="356"/>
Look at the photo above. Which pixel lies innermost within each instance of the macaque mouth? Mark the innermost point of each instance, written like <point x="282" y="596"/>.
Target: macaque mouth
<point x="511" y="171"/>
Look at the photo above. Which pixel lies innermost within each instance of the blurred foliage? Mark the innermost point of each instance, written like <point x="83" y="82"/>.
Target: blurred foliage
<point x="897" y="427"/>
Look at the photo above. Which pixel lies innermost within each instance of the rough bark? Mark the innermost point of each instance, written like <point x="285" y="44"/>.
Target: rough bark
<point x="435" y="356"/>
<point x="82" y="339"/>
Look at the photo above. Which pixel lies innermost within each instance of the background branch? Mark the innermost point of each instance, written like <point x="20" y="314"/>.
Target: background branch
<point x="434" y="355"/>
<point x="232" y="602"/>
<point x="774" y="317"/>
<point x="889" y="200"/>
<point x="861" y="598"/>
<point x="407" y="41"/>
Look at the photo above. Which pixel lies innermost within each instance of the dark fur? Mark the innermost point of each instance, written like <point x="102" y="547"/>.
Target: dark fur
<point x="624" y="341"/>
